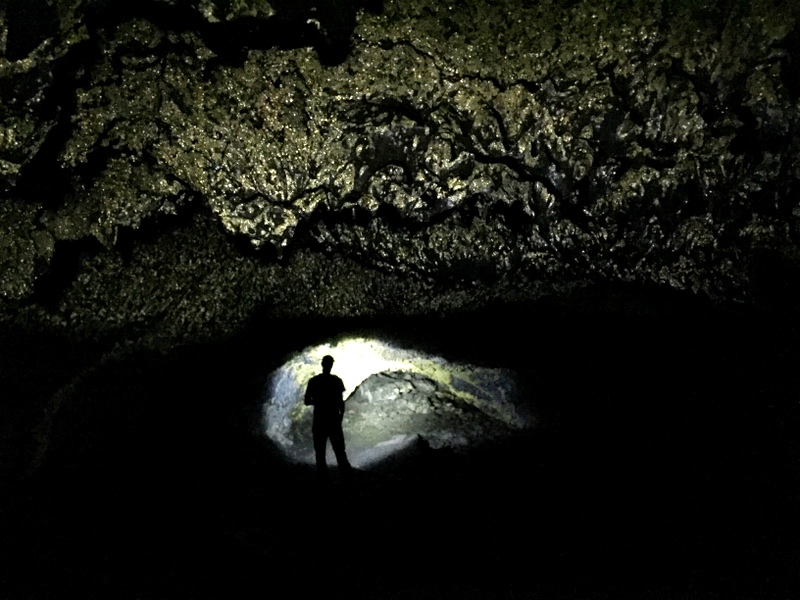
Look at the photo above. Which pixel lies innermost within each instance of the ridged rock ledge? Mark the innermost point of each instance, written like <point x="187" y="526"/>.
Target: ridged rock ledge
<point x="174" y="167"/>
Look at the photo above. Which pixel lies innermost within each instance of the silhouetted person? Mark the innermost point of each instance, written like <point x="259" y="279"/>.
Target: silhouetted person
<point x="325" y="394"/>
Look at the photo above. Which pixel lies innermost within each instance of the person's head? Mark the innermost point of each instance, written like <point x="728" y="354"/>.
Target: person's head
<point x="327" y="363"/>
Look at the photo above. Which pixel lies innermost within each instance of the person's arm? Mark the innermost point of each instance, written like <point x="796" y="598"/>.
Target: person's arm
<point x="309" y="399"/>
<point x="341" y="400"/>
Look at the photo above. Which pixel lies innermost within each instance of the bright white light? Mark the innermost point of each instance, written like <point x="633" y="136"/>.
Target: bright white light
<point x="358" y="358"/>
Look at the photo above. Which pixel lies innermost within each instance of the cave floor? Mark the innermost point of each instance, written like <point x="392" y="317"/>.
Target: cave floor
<point x="533" y="518"/>
<point x="652" y="474"/>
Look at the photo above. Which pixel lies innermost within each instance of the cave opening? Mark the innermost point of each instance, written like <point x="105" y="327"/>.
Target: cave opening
<point x="396" y="399"/>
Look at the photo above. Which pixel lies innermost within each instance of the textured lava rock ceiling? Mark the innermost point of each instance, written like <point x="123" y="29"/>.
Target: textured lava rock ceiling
<point x="180" y="164"/>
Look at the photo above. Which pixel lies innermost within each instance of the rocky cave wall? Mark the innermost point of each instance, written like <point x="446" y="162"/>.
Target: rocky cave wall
<point x="169" y="169"/>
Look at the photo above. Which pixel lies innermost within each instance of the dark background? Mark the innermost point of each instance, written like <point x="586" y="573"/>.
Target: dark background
<point x="664" y="465"/>
<point x="665" y="459"/>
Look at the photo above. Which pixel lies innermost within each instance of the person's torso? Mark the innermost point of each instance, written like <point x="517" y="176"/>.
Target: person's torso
<point x="326" y="391"/>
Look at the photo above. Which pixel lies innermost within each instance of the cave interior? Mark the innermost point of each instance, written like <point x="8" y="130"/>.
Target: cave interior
<point x="596" y="199"/>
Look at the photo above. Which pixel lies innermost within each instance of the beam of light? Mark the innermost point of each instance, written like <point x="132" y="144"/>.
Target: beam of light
<point x="492" y="391"/>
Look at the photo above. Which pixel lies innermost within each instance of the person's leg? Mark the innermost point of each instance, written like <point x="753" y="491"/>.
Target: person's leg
<point x="337" y="441"/>
<point x="320" y="443"/>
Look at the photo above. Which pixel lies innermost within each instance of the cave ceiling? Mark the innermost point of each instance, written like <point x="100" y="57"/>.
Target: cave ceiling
<point x="178" y="165"/>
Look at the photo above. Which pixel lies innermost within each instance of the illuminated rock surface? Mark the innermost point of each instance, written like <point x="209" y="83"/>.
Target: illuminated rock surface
<point x="406" y="157"/>
<point x="395" y="398"/>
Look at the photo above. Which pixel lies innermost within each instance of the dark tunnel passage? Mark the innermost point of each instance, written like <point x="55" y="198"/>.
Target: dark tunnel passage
<point x="664" y="460"/>
<point x="554" y="247"/>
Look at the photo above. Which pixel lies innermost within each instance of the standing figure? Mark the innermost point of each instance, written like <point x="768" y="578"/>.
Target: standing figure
<point x="324" y="393"/>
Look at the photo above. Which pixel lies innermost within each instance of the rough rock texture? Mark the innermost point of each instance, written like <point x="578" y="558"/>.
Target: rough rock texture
<point x="407" y="403"/>
<point x="176" y="166"/>
<point x="173" y="170"/>
<point x="388" y="408"/>
<point x="391" y="407"/>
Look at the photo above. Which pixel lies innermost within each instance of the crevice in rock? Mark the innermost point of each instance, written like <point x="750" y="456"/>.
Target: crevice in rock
<point x="308" y="235"/>
<point x="292" y="26"/>
<point x="790" y="63"/>
<point x="29" y="22"/>
<point x="42" y="178"/>
<point x="64" y="267"/>
<point x="185" y="209"/>
<point x="69" y="256"/>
